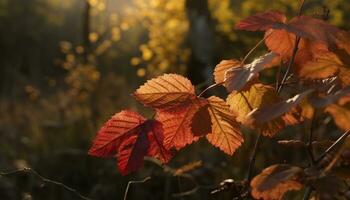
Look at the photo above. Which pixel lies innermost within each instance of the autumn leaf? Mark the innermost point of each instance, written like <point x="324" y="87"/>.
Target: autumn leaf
<point x="262" y="21"/>
<point x="323" y="66"/>
<point x="131" y="153"/>
<point x="303" y="26"/>
<point x="165" y="92"/>
<point x="114" y="131"/>
<point x="177" y="124"/>
<point x="225" y="132"/>
<point x="201" y="122"/>
<point x="258" y="96"/>
<point x="340" y="114"/>
<point x="282" y="42"/>
<point x="222" y="67"/>
<point x="320" y="102"/>
<point x="267" y="113"/>
<point x="130" y="137"/>
<point x="273" y="182"/>
<point x="236" y="78"/>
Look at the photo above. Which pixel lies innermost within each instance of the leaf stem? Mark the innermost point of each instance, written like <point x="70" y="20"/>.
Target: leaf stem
<point x="254" y="48"/>
<point x="208" y="88"/>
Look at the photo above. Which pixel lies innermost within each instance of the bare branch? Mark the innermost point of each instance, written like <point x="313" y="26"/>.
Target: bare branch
<point x="27" y="170"/>
<point x="134" y="182"/>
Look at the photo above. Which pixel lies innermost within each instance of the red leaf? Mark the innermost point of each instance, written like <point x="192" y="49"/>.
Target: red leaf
<point x="262" y="21"/>
<point x="157" y="149"/>
<point x="114" y="131"/>
<point x="132" y="152"/>
<point x="131" y="137"/>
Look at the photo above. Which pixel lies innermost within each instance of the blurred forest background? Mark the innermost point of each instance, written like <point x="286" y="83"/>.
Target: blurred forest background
<point x="67" y="65"/>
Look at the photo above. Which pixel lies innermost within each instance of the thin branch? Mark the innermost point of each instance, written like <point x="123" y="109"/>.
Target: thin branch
<point x="253" y="157"/>
<point x="279" y="89"/>
<point x="254" y="48"/>
<point x="310" y="148"/>
<point x="332" y="147"/>
<point x="134" y="182"/>
<point x="208" y="88"/>
<point x="44" y="180"/>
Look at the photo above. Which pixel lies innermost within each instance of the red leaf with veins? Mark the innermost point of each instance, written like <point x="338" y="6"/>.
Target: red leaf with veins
<point x="130" y="137"/>
<point x="177" y="124"/>
<point x="114" y="131"/>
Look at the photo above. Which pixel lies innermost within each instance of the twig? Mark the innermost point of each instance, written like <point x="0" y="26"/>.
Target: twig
<point x="134" y="182"/>
<point x="212" y="86"/>
<point x="307" y="193"/>
<point x="310" y="148"/>
<point x="44" y="180"/>
<point x="279" y="89"/>
<point x="253" y="49"/>
<point x="253" y="157"/>
<point x="332" y="147"/>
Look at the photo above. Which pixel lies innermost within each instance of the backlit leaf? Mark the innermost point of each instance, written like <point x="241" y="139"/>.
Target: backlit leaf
<point x="341" y="115"/>
<point x="323" y="66"/>
<point x="262" y="21"/>
<point x="114" y="131"/>
<point x="222" y="67"/>
<point x="225" y="133"/>
<point x="258" y="96"/>
<point x="165" y="92"/>
<point x="130" y="137"/>
<point x="177" y="124"/>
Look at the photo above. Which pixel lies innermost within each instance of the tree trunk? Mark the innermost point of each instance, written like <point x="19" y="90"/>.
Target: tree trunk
<point x="200" y="38"/>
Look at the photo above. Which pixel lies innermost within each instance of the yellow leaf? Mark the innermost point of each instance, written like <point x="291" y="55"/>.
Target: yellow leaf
<point x="258" y="96"/>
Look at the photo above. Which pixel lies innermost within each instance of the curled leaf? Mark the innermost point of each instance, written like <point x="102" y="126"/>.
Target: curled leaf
<point x="273" y="182"/>
<point x="236" y="78"/>
<point x="256" y="97"/>
<point x="222" y="67"/>
<point x="271" y="112"/>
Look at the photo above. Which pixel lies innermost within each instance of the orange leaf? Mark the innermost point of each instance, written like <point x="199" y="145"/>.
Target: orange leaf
<point x="177" y="124"/>
<point x="273" y="182"/>
<point x="222" y="67"/>
<point x="225" y="133"/>
<point x="283" y="42"/>
<point x="313" y="29"/>
<point x="323" y="66"/>
<point x="165" y="92"/>
<point x="341" y="115"/>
